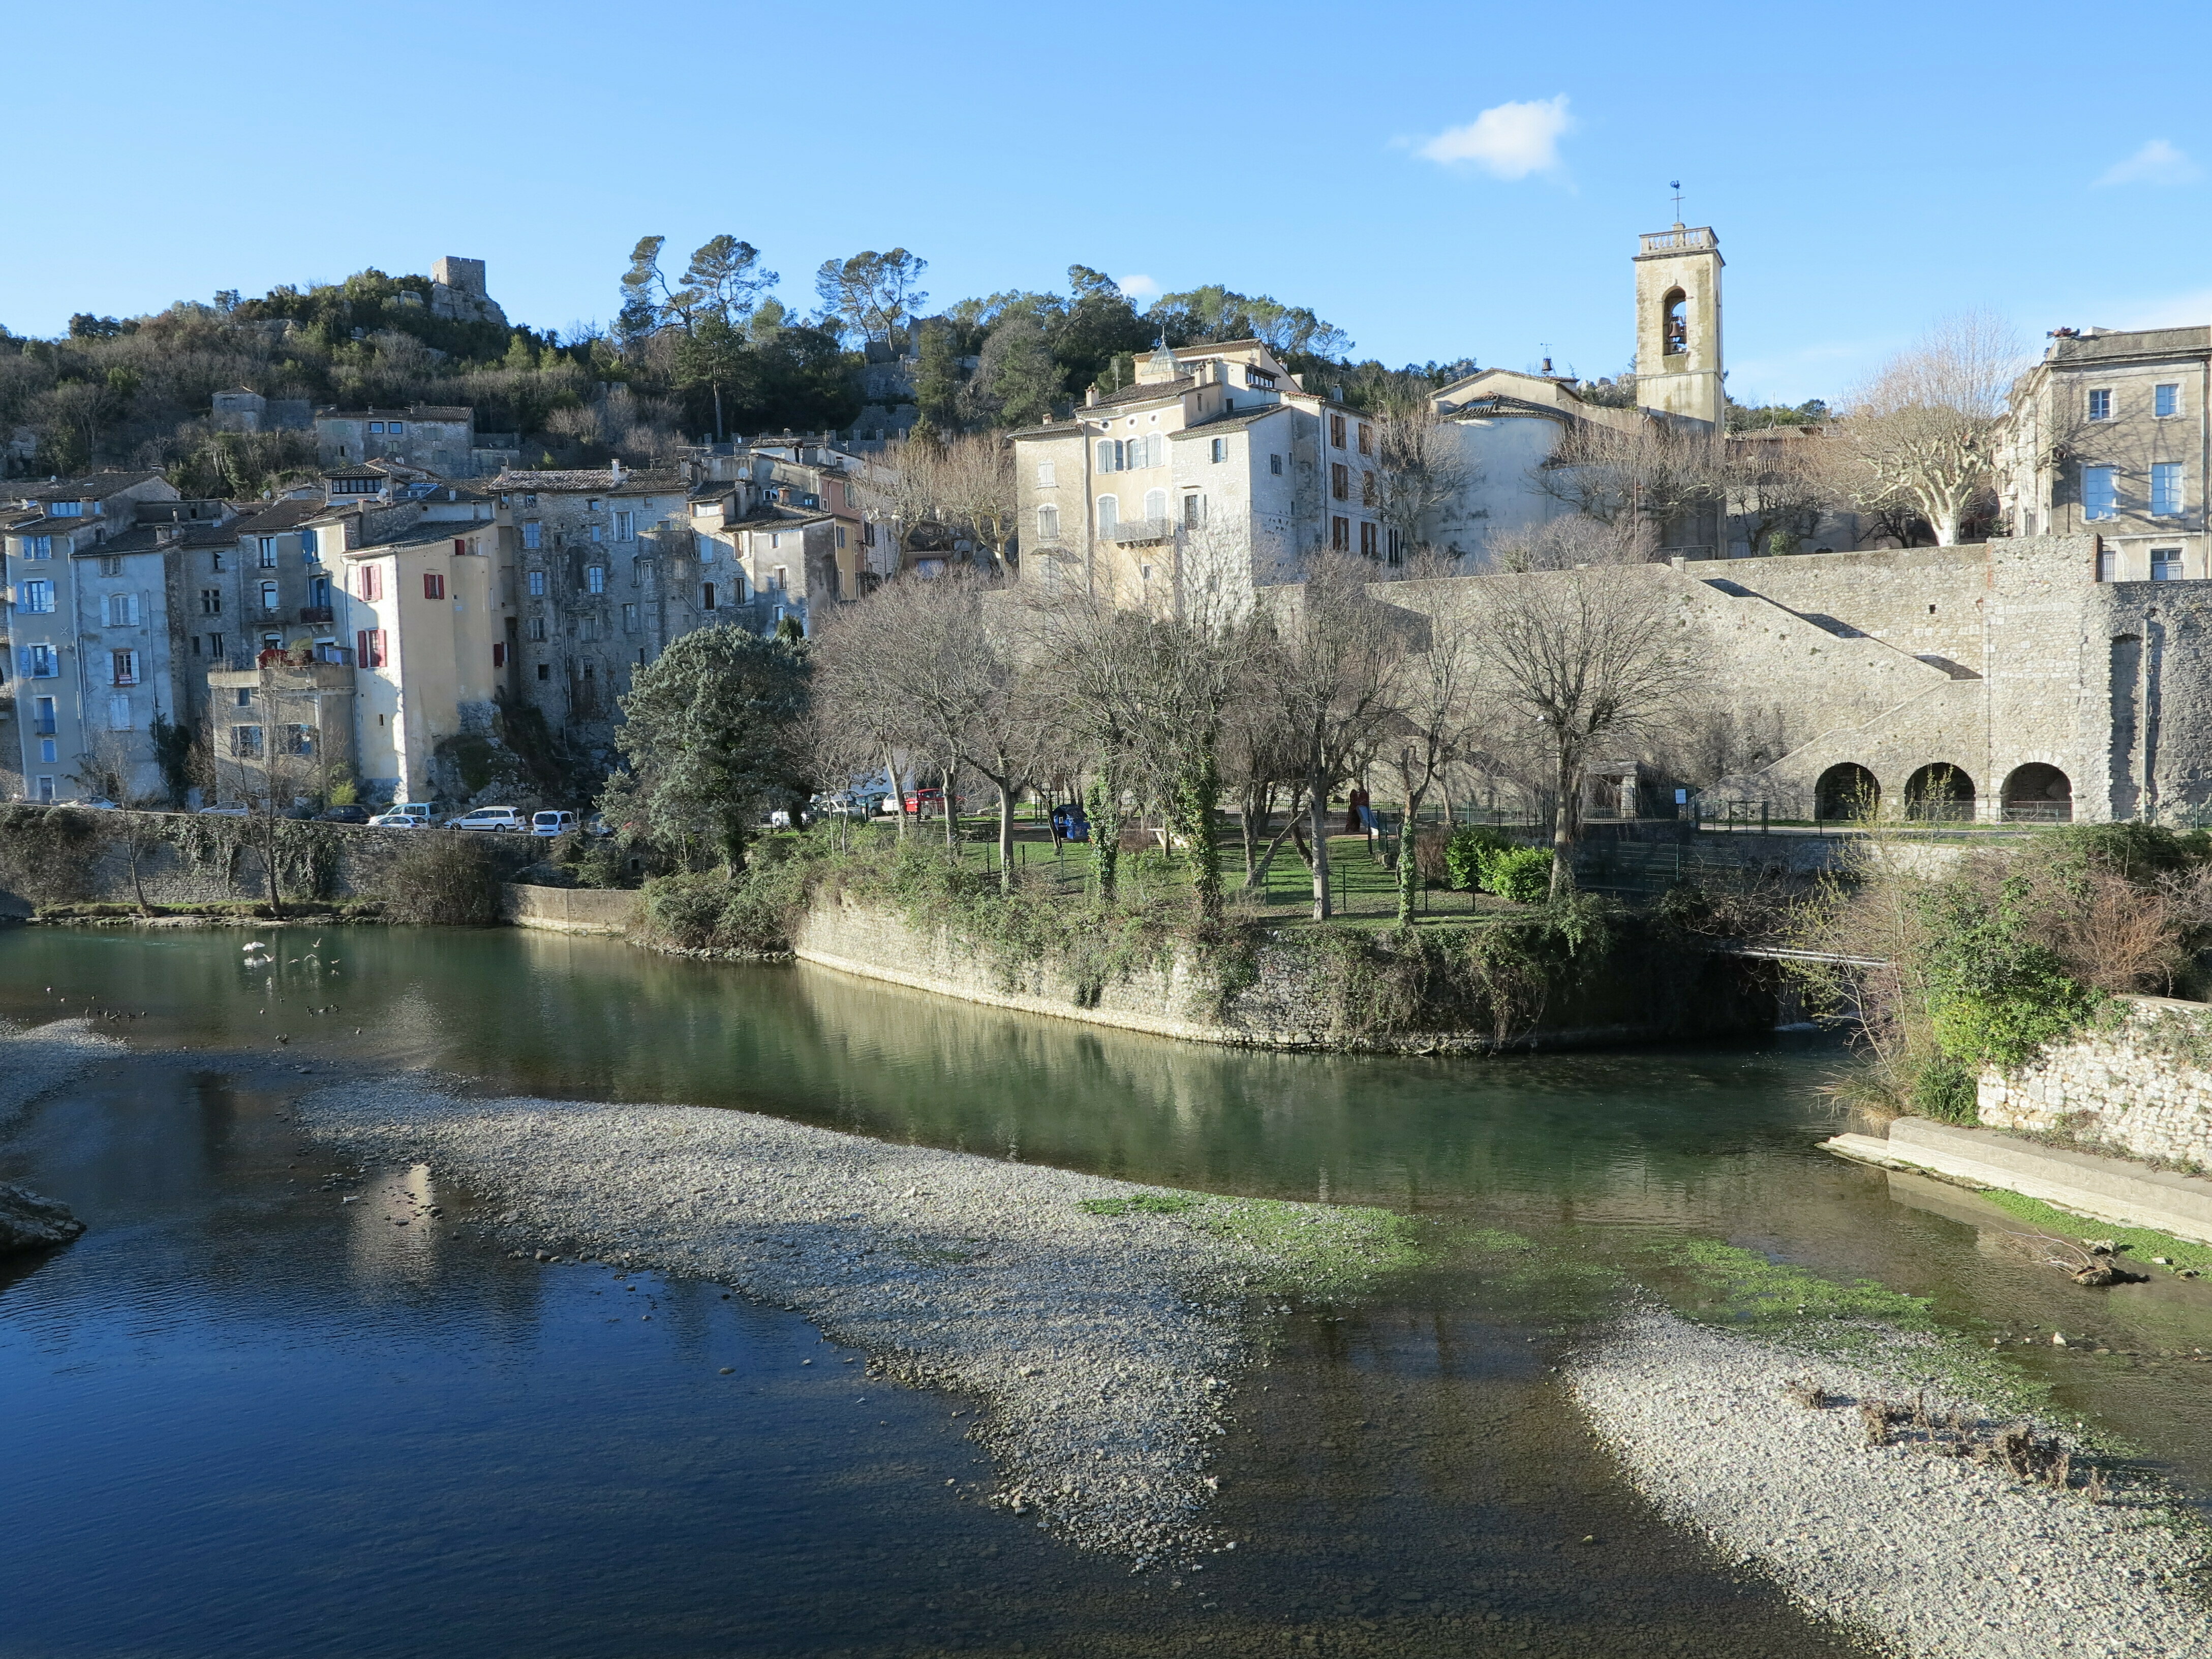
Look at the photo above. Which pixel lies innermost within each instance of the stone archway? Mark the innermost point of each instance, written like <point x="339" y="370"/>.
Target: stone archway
<point x="1847" y="790"/>
<point x="1940" y="792"/>
<point x="2039" y="794"/>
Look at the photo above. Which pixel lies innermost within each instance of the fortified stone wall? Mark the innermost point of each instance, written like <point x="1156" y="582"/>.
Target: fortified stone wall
<point x="2142" y="1087"/>
<point x="2151" y="658"/>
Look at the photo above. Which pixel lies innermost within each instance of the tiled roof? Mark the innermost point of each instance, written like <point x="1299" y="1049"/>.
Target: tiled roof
<point x="92" y="487"/>
<point x="2132" y="343"/>
<point x="426" y="412"/>
<point x="268" y="518"/>
<point x="781" y="521"/>
<point x="1221" y="424"/>
<point x="1142" y="393"/>
<point x="591" y="481"/>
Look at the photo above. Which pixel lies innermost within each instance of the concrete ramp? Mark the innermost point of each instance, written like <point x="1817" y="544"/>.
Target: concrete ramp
<point x="2114" y="1189"/>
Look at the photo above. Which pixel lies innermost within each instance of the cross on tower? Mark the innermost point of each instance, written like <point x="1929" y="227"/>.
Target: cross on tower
<point x="1675" y="184"/>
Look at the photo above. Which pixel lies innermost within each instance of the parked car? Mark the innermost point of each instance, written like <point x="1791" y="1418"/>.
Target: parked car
<point x="923" y="802"/>
<point x="406" y="815"/>
<point x="553" y="823"/>
<point x="351" y="812"/>
<point x="222" y="813"/>
<point x="861" y="804"/>
<point x="491" y="818"/>
<point x="100" y="804"/>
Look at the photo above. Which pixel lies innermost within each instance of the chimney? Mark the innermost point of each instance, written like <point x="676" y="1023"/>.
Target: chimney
<point x="614" y="471"/>
<point x="1091" y="398"/>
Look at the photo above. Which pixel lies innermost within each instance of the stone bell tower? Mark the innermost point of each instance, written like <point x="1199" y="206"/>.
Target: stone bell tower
<point x="1678" y="325"/>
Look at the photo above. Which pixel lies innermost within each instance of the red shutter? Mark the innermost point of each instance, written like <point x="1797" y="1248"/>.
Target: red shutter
<point x="460" y="545"/>
<point x="379" y="647"/>
<point x="499" y="656"/>
<point x="361" y="650"/>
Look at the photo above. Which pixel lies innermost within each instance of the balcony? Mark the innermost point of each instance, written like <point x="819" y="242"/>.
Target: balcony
<point x="317" y="613"/>
<point x="1141" y="530"/>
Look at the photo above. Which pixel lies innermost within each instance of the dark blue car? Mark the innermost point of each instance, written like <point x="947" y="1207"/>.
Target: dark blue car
<point x="1068" y="823"/>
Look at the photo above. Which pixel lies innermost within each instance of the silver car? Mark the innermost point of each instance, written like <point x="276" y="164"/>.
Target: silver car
<point x="489" y="817"/>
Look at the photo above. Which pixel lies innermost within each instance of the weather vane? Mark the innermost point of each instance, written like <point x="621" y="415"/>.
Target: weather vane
<point x="1675" y="184"/>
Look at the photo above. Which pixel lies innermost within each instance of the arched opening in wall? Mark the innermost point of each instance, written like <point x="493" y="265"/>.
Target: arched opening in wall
<point x="1847" y="791"/>
<point x="1674" y="322"/>
<point x="1939" y="794"/>
<point x="2036" y="794"/>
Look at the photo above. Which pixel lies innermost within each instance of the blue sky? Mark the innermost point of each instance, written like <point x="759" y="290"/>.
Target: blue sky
<point x="1438" y="180"/>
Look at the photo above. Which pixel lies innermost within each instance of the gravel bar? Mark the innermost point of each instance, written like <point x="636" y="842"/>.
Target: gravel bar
<point x="1100" y="1348"/>
<point x="36" y="1060"/>
<point x="1934" y="1555"/>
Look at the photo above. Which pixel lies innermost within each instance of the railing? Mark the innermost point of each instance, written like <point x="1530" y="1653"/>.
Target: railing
<point x="1142" y="530"/>
<point x="317" y="613"/>
<point x="43" y="726"/>
<point x="1675" y="241"/>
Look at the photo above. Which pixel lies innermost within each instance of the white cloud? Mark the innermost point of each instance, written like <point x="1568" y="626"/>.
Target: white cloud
<point x="1139" y="288"/>
<point x="1509" y="141"/>
<point x="2157" y="162"/>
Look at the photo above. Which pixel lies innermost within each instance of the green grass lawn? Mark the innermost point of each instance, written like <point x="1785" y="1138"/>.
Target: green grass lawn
<point x="1364" y="891"/>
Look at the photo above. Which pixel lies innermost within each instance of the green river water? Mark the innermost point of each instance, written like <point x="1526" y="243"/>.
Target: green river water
<point x="236" y="1424"/>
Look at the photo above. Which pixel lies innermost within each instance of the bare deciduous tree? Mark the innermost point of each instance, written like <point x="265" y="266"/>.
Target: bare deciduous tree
<point x="1420" y="465"/>
<point x="1651" y="472"/>
<point x="1567" y="543"/>
<point x="1332" y="669"/>
<point x="1776" y="486"/>
<point x="1924" y="430"/>
<point x="1590" y="657"/>
<point x="919" y="659"/>
<point x="1437" y="721"/>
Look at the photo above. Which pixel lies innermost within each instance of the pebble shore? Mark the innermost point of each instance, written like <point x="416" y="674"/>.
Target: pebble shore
<point x="1937" y="1557"/>
<point x="37" y="1059"/>
<point x="1101" y="1350"/>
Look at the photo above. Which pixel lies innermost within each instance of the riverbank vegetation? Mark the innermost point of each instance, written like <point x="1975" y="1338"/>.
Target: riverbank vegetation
<point x="2007" y="953"/>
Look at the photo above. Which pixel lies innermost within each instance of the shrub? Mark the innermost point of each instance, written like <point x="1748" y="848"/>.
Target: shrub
<point x="444" y="880"/>
<point x="1522" y="874"/>
<point x="1465" y="852"/>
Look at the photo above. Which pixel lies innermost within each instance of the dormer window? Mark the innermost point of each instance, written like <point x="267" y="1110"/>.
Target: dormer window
<point x="376" y="426"/>
<point x="69" y="509"/>
<point x="1674" y="322"/>
<point x="396" y="427"/>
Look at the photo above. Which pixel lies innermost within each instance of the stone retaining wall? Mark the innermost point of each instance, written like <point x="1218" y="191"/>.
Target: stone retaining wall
<point x="571" y="909"/>
<point x="2140" y="1087"/>
<point x="1288" y="1007"/>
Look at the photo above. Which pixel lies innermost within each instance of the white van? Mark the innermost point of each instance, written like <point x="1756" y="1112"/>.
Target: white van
<point x="553" y="823"/>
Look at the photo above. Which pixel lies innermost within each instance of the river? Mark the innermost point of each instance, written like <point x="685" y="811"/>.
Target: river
<point x="237" y="1419"/>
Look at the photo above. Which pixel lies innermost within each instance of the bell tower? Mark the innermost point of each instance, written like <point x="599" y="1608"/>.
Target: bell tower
<point x="1678" y="325"/>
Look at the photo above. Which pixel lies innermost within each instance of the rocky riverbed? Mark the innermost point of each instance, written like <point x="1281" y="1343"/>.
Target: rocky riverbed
<point x="1099" y="1327"/>
<point x="1939" y="1556"/>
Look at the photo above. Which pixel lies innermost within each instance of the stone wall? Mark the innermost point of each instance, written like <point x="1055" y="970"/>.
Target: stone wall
<point x="1637" y="999"/>
<point x="2142" y="1087"/>
<point x="571" y="909"/>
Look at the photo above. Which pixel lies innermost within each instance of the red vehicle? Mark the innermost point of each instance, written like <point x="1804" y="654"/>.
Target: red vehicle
<point x="925" y="803"/>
